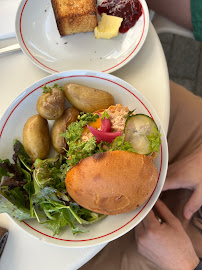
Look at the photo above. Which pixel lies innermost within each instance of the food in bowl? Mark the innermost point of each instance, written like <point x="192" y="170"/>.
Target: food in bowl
<point x="36" y="139"/>
<point x="129" y="10"/>
<point x="38" y="189"/>
<point x="51" y="103"/>
<point x="121" y="175"/>
<point x="73" y="16"/>
<point x="112" y="182"/>
<point x="60" y="126"/>
<point x="108" y="26"/>
<point x="87" y="99"/>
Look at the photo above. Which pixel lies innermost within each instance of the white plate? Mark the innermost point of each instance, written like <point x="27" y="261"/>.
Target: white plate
<point x="39" y="39"/>
<point x="24" y="106"/>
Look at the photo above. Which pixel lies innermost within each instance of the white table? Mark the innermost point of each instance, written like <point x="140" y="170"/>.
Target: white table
<point x="147" y="72"/>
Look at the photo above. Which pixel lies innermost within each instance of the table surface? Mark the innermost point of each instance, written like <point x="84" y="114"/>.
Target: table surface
<point x="147" y="72"/>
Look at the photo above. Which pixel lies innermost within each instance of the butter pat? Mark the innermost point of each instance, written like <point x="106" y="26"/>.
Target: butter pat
<point x="108" y="26"/>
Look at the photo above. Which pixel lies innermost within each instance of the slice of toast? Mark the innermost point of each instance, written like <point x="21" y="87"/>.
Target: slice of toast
<point x="75" y="16"/>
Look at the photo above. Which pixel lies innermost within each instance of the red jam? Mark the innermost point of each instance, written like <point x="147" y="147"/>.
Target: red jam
<point x="129" y="10"/>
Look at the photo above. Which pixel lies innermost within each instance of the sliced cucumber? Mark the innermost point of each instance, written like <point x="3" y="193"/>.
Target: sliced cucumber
<point x="137" y="129"/>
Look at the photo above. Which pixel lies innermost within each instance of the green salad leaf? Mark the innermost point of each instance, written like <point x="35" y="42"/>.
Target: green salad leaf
<point x="16" y="186"/>
<point x="6" y="169"/>
<point x="60" y="213"/>
<point x="105" y="115"/>
<point x="38" y="190"/>
<point x="120" y="144"/>
<point x="48" y="89"/>
<point x="20" y="153"/>
<point x="130" y="113"/>
<point x="47" y="172"/>
<point x="78" y="149"/>
<point x="75" y="129"/>
<point x="155" y="140"/>
<point x="10" y="203"/>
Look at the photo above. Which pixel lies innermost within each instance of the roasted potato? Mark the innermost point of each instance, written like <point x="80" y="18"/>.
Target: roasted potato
<point x="36" y="139"/>
<point x="87" y="99"/>
<point x="60" y="125"/>
<point x="51" y="105"/>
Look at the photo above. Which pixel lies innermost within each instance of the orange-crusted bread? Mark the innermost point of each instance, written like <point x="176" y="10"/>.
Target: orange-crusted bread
<point x="112" y="182"/>
<point x="75" y="16"/>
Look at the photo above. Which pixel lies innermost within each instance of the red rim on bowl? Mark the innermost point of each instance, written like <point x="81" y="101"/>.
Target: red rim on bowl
<point x="125" y="89"/>
<point x="107" y="70"/>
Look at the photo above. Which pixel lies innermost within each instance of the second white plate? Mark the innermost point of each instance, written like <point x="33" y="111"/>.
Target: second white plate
<point x="24" y="106"/>
<point x="40" y="40"/>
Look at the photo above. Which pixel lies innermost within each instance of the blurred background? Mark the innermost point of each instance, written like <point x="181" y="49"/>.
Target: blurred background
<point x="184" y="59"/>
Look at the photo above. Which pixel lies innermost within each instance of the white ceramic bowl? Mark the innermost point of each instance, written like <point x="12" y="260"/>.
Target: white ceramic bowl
<point x="24" y="106"/>
<point x="40" y="40"/>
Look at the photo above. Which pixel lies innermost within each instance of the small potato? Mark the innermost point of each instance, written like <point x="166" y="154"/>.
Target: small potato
<point x="51" y="105"/>
<point x="87" y="99"/>
<point x="36" y="139"/>
<point x="60" y="125"/>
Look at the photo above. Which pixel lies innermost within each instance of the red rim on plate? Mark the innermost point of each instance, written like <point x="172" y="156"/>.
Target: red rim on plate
<point x="126" y="89"/>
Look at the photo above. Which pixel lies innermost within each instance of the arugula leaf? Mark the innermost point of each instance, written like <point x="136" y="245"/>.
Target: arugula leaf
<point x="57" y="223"/>
<point x="62" y="218"/>
<point x="155" y="140"/>
<point x="86" y="216"/>
<point x="58" y="213"/>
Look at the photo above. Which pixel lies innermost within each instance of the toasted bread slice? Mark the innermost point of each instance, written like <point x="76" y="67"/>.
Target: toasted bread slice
<point x="75" y="16"/>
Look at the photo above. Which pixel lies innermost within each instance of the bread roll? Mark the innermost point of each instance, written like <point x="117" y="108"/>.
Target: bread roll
<point x="113" y="182"/>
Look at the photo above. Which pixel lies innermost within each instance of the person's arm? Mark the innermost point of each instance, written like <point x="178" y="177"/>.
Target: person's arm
<point x="167" y="245"/>
<point x="177" y="11"/>
<point x="187" y="173"/>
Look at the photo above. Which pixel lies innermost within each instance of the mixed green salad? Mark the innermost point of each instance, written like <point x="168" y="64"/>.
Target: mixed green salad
<point x="37" y="190"/>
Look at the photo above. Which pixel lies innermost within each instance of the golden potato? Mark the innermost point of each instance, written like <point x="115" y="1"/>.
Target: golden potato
<point x="60" y="125"/>
<point x="87" y="99"/>
<point x="51" y="105"/>
<point x="36" y="139"/>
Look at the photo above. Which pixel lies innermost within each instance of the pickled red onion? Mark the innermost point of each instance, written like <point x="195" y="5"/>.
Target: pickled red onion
<point x="103" y="135"/>
<point x="105" y="124"/>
